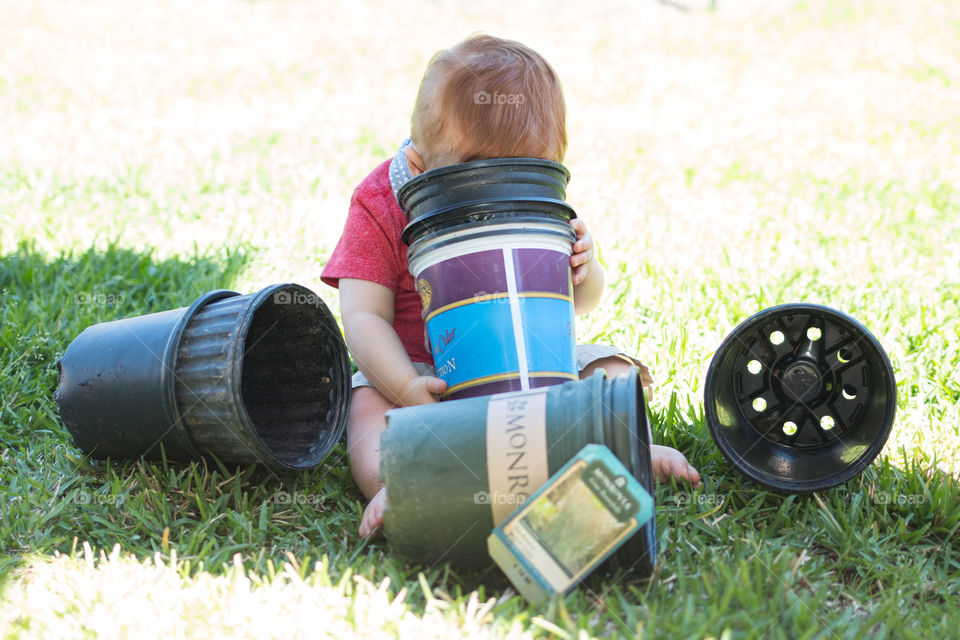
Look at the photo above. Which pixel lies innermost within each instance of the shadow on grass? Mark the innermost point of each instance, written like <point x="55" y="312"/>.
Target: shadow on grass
<point x="883" y="538"/>
<point x="51" y="496"/>
<point x="892" y="527"/>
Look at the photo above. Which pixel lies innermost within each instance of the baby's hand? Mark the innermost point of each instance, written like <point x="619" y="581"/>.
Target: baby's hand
<point x="582" y="251"/>
<point x="422" y="390"/>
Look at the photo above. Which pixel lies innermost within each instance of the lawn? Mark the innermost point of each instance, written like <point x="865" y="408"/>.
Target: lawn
<point x="725" y="160"/>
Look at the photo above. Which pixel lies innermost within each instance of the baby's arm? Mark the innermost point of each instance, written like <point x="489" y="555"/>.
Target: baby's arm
<point x="588" y="278"/>
<point x="367" y="312"/>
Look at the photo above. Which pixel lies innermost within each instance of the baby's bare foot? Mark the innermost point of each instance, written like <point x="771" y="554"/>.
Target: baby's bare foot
<point x="372" y="518"/>
<point x="669" y="463"/>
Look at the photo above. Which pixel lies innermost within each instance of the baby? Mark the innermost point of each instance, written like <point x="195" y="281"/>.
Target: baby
<point x="483" y="98"/>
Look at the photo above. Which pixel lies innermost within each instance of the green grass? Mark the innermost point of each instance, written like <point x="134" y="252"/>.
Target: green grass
<point x="742" y="160"/>
<point x="734" y="556"/>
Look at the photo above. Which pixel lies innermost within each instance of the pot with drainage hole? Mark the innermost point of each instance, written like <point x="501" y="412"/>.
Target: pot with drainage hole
<point x="262" y="377"/>
<point x="800" y="397"/>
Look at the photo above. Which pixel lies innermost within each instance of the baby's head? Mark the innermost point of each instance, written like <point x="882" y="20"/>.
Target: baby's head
<point x="488" y="98"/>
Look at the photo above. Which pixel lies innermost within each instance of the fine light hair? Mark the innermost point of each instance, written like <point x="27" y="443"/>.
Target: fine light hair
<point x="487" y="97"/>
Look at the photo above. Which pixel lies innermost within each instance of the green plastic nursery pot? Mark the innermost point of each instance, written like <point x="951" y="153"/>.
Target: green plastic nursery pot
<point x="453" y="470"/>
<point x="262" y="377"/>
<point x="800" y="397"/>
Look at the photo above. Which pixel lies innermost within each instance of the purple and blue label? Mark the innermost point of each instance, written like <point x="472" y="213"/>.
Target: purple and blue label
<point x="500" y="320"/>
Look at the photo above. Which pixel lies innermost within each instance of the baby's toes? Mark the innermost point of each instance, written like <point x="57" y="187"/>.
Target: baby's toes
<point x="691" y="474"/>
<point x="669" y="463"/>
<point x="372" y="519"/>
<point x="680" y="468"/>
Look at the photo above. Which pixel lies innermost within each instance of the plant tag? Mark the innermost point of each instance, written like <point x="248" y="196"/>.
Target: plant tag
<point x="570" y="525"/>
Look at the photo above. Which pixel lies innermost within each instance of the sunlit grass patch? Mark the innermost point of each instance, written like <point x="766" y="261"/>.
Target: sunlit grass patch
<point x="725" y="161"/>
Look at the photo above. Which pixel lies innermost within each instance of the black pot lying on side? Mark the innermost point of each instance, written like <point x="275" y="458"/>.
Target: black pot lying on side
<point x="262" y="377"/>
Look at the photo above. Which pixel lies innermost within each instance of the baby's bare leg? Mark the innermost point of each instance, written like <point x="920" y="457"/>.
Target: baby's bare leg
<point x="616" y="366"/>
<point x="364" y="425"/>
<point x="667" y="462"/>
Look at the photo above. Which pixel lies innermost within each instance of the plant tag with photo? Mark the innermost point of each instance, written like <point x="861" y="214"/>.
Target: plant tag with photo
<point x="584" y="512"/>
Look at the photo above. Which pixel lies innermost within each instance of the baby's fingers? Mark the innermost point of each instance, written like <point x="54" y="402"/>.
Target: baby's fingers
<point x="580" y="272"/>
<point x="579" y="227"/>
<point x="582" y="258"/>
<point x="435" y="386"/>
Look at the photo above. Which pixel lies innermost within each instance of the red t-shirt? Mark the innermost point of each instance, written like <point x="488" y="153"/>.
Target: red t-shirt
<point x="371" y="249"/>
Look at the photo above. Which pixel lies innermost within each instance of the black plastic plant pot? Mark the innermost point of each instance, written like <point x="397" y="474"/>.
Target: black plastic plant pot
<point x="501" y="188"/>
<point x="455" y="469"/>
<point x="800" y="398"/>
<point x="262" y="377"/>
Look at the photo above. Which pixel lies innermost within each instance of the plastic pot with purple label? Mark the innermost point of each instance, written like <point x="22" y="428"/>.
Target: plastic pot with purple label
<point x="490" y="244"/>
